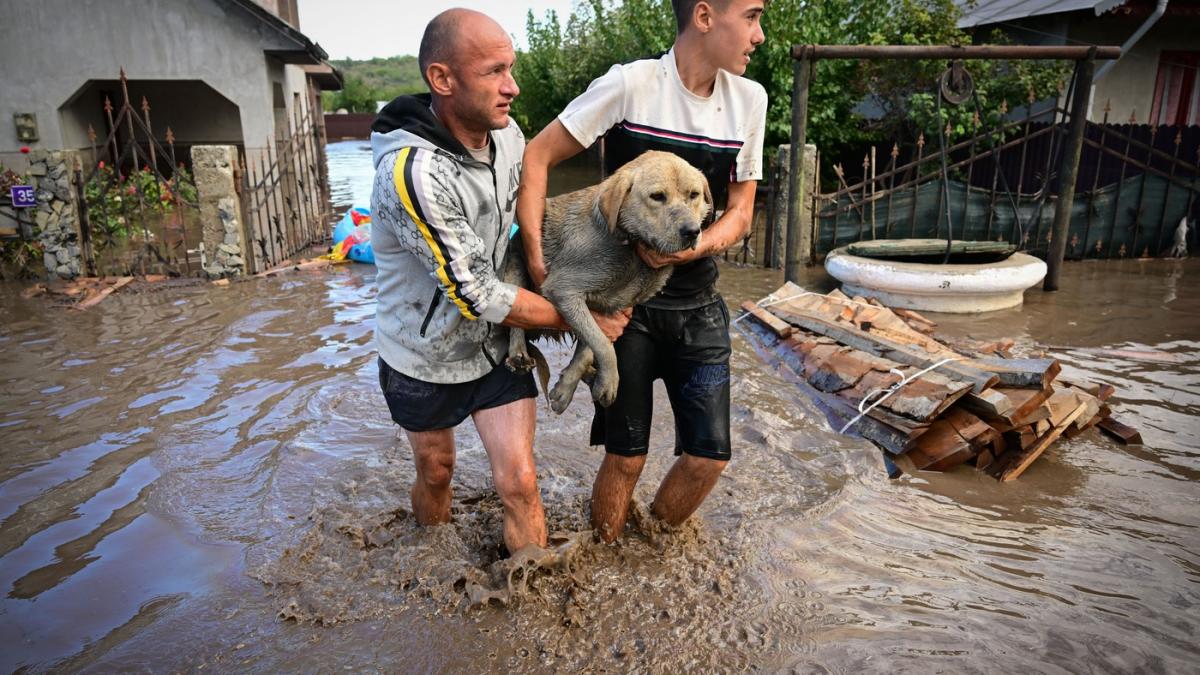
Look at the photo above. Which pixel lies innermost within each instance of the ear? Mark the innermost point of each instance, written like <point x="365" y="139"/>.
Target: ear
<point x="611" y="196"/>
<point x="708" y="202"/>
<point x="440" y="79"/>
<point x="702" y="16"/>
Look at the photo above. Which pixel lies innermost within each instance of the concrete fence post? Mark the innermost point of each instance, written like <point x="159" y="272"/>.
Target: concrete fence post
<point x="782" y="198"/>
<point x="223" y="236"/>
<point x="57" y="214"/>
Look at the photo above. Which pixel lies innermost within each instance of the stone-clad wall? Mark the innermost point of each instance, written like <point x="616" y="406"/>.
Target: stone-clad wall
<point x="220" y="210"/>
<point x="57" y="213"/>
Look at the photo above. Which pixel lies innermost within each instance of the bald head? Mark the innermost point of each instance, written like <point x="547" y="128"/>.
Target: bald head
<point x="451" y="33"/>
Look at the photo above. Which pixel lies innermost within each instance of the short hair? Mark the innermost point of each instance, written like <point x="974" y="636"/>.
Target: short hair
<point x="437" y="44"/>
<point x="684" y="9"/>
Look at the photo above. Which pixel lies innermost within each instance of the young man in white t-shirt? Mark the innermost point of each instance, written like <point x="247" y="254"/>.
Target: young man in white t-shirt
<point x="693" y="102"/>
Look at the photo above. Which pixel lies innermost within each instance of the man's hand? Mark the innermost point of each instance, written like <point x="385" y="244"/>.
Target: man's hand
<point x="613" y="324"/>
<point x="655" y="260"/>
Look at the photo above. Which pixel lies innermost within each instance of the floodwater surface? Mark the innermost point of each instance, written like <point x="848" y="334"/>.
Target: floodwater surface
<point x="207" y="477"/>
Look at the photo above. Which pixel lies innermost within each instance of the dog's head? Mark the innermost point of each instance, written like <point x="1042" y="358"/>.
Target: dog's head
<point x="658" y="199"/>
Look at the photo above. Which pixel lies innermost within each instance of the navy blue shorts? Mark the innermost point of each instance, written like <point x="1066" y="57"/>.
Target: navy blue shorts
<point x="417" y="405"/>
<point x="689" y="350"/>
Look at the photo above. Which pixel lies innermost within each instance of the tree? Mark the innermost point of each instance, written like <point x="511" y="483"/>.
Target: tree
<point x="559" y="64"/>
<point x="355" y="97"/>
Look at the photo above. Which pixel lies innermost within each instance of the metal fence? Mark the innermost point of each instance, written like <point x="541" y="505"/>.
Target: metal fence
<point x="1130" y="192"/>
<point x="284" y="194"/>
<point x="137" y="203"/>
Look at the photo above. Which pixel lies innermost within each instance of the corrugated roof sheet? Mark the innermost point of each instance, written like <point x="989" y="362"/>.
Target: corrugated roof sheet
<point x="994" y="11"/>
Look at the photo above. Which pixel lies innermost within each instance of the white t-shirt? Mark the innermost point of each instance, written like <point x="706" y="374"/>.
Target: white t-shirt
<point x="646" y="98"/>
<point x="644" y="106"/>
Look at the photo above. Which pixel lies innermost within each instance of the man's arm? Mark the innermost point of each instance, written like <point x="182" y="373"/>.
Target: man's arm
<point x="531" y="311"/>
<point x="729" y="229"/>
<point x="553" y="145"/>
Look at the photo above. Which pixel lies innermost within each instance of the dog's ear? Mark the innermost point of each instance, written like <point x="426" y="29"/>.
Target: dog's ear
<point x="708" y="201"/>
<point x="611" y="196"/>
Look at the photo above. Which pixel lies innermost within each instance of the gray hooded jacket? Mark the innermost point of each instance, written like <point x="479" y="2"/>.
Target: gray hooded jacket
<point x="440" y="227"/>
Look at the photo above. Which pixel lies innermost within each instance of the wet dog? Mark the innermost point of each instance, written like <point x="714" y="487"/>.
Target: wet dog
<point x="589" y="240"/>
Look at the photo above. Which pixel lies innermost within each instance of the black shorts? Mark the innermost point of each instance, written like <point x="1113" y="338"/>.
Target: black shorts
<point x="689" y="349"/>
<point x="417" y="405"/>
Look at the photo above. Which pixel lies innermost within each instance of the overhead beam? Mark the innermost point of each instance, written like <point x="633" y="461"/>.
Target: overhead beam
<point x="1070" y="53"/>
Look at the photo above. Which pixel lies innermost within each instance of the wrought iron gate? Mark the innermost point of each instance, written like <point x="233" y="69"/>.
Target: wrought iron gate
<point x="137" y="202"/>
<point x="284" y="194"/>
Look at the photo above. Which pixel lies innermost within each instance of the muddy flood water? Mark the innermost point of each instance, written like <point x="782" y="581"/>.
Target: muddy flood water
<point x="207" y="477"/>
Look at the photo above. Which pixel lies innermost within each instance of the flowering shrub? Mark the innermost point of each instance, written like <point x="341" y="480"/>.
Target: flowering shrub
<point x="18" y="258"/>
<point x="112" y="197"/>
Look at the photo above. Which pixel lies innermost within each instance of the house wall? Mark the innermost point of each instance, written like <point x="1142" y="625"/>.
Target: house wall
<point x="54" y="48"/>
<point x="1129" y="85"/>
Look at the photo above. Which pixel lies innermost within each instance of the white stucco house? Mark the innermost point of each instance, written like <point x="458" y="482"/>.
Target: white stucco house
<point x="215" y="71"/>
<point x="1156" y="80"/>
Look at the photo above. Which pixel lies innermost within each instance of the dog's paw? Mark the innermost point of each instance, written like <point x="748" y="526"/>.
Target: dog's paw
<point x="560" y="396"/>
<point x="604" y="389"/>
<point x="520" y="363"/>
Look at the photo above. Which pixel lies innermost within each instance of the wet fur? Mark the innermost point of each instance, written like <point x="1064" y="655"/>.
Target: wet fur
<point x="588" y="243"/>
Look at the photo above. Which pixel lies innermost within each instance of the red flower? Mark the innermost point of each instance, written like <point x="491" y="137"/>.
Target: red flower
<point x="24" y="149"/>
<point x="146" y="168"/>
<point x="101" y="165"/>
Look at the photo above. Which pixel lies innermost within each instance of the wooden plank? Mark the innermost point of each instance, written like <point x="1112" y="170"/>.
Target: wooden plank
<point x="879" y="346"/>
<point x="1100" y="391"/>
<point x="1018" y="439"/>
<point x="991" y="405"/>
<point x="787" y="355"/>
<point x="1022" y="461"/>
<point x="1127" y="435"/>
<point x="836" y="307"/>
<point x="778" y="326"/>
<point x="984" y="459"/>
<point x="904" y="248"/>
<point x="941" y="446"/>
<point x="104" y="293"/>
<point x="911" y="317"/>
<point x="921" y="399"/>
<point x="1024" y="402"/>
<point x="1063" y="403"/>
<point x="1035" y="373"/>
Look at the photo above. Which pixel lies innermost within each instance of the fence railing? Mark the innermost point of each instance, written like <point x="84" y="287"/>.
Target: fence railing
<point x="136" y="203"/>
<point x="284" y="194"/>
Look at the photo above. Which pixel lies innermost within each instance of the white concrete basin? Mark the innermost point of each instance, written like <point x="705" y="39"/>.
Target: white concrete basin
<point x="954" y="288"/>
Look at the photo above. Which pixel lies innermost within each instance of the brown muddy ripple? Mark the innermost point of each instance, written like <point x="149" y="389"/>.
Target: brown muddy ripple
<point x="207" y="477"/>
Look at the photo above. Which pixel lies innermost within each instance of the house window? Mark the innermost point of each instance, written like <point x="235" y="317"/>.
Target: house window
<point x="1177" y="89"/>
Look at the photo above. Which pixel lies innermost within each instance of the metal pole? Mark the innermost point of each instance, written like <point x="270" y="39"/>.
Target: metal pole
<point x="1069" y="170"/>
<point x="801" y="72"/>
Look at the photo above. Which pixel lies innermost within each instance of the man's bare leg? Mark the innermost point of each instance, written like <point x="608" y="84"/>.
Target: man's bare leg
<point x="433" y="453"/>
<point x="686" y="485"/>
<point x="612" y="492"/>
<point x="507" y="435"/>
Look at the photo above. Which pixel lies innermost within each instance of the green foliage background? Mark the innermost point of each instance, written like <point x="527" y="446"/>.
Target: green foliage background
<point x="378" y="79"/>
<point x="565" y="54"/>
<point x="562" y="58"/>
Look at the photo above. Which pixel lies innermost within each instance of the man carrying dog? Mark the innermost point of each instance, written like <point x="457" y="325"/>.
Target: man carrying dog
<point x="692" y="102"/>
<point x="446" y="170"/>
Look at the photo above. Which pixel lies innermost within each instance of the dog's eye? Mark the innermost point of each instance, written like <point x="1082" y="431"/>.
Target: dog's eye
<point x="693" y="195"/>
<point x="659" y="196"/>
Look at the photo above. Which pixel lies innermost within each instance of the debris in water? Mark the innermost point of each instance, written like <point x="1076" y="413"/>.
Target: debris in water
<point x="930" y="404"/>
